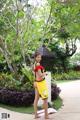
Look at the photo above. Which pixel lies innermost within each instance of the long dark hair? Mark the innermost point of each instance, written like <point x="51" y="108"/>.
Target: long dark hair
<point x="36" y="54"/>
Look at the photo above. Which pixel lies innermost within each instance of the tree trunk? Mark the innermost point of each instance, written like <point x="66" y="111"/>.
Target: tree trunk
<point x="64" y="66"/>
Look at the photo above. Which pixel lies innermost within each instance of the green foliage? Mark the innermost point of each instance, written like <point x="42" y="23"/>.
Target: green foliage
<point x="8" y="81"/>
<point x="23" y="28"/>
<point x="61" y="61"/>
<point x="62" y="26"/>
<point x="20" y="14"/>
<point x="75" y="59"/>
<point x="27" y="72"/>
<point x="65" y="21"/>
<point x="57" y="103"/>
<point x="71" y="75"/>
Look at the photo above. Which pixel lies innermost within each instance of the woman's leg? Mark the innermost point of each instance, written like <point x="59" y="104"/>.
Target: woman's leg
<point x="36" y="102"/>
<point x="45" y="105"/>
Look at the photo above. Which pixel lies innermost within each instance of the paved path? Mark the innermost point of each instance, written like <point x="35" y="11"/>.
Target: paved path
<point x="70" y="111"/>
<point x="71" y="100"/>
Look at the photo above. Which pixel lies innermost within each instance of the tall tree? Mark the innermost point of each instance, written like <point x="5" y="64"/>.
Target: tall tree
<point x="63" y="24"/>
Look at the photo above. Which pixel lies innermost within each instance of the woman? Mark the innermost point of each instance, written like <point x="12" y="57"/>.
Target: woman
<point x="40" y="86"/>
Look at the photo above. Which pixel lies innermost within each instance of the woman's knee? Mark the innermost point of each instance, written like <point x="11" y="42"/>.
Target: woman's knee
<point x="36" y="94"/>
<point x="45" y="100"/>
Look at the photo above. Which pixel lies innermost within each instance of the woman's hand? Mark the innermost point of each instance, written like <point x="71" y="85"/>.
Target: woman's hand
<point x="44" y="73"/>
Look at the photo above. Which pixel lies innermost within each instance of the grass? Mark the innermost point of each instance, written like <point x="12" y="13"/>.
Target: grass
<point x="56" y="104"/>
<point x="28" y="110"/>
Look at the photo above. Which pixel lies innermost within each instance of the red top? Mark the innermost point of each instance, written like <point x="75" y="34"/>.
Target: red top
<point x="38" y="67"/>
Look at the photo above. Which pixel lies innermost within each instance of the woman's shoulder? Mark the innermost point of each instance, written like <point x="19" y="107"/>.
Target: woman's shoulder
<point x="39" y="68"/>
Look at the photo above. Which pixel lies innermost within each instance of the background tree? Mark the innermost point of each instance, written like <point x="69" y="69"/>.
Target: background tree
<point x="24" y="27"/>
<point x="63" y="27"/>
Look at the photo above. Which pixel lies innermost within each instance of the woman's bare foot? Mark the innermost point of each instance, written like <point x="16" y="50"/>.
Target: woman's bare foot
<point x="36" y="116"/>
<point x="46" y="117"/>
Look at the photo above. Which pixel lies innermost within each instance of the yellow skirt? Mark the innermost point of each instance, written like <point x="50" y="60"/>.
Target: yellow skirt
<point x="42" y="89"/>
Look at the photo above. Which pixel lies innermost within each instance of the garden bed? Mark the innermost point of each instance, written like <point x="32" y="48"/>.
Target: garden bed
<point x="29" y="110"/>
<point x="23" y="98"/>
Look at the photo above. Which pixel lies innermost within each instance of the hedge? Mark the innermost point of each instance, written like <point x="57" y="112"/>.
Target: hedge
<point x="23" y="98"/>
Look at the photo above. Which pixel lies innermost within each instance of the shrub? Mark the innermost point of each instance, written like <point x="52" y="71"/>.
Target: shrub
<point x="23" y="81"/>
<point x="55" y="91"/>
<point x="23" y="98"/>
<point x="71" y="75"/>
<point x="8" y="81"/>
<point x="13" y="97"/>
<point x="27" y="72"/>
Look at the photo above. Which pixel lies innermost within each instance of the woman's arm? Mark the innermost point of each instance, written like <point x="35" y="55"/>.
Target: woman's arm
<point x="41" y="74"/>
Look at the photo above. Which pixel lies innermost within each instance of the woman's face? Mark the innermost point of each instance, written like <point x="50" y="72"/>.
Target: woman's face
<point x="38" y="58"/>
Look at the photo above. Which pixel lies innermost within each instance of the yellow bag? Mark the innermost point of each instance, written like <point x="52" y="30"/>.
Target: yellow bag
<point x="42" y="89"/>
